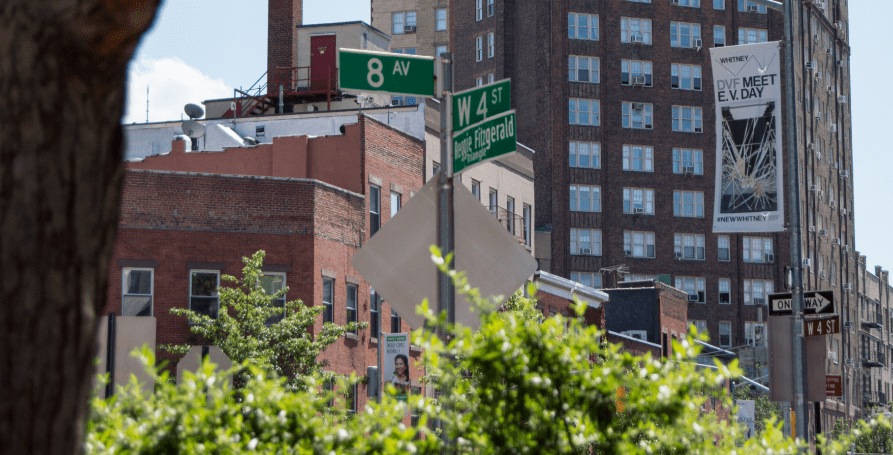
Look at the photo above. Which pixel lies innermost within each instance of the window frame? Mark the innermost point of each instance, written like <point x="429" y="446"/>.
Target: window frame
<point x="728" y="329"/>
<point x="626" y="30"/>
<point x="630" y="244"/>
<point x="491" y="8"/>
<point x="440" y="23"/>
<point x="395" y="30"/>
<point x="722" y="41"/>
<point x="696" y="82"/>
<point x="124" y="294"/>
<point x="647" y="71"/>
<point x="595" y="241"/>
<point x="696" y="160"/>
<point x="491" y="45"/>
<point x="328" y="312"/>
<point x="479" y="47"/>
<point x="396" y="322"/>
<point x="720" y="248"/>
<point x="762" y="35"/>
<point x="630" y="203"/>
<point x="396" y="202"/>
<point x="743" y="4"/>
<point x="352" y="296"/>
<point x="628" y="116"/>
<point x="699" y="286"/>
<point x="573" y="26"/>
<point x="696" y="120"/>
<point x="479" y="10"/>
<point x="680" y="203"/>
<point x="577" y="277"/>
<point x="374" y="314"/>
<point x="750" y="335"/>
<point x="722" y="4"/>
<point x="593" y="112"/>
<point x="526" y="214"/>
<point x="682" y="241"/>
<point x="766" y="287"/>
<point x="374" y="209"/>
<point x="593" y="154"/>
<point x="677" y="37"/>
<point x="593" y="68"/>
<point x="594" y="198"/>
<point x="476" y="189"/>
<point x="216" y="293"/>
<point x="724" y="285"/>
<point x="281" y="301"/>
<point x="765" y="246"/>
<point x="629" y="160"/>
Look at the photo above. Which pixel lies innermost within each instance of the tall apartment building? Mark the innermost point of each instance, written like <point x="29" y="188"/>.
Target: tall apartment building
<point x="416" y="26"/>
<point x="616" y="97"/>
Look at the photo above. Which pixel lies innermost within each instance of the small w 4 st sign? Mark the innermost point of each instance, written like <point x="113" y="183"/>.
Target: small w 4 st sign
<point x="820" y="327"/>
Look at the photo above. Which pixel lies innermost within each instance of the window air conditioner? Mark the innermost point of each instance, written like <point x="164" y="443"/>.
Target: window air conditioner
<point x="822" y="274"/>
<point x="813" y="188"/>
<point x="759" y="301"/>
<point x="833" y="128"/>
<point x="639" y="210"/>
<point x="818" y="75"/>
<point x="820" y="195"/>
<point x="839" y="24"/>
<point x="586" y="251"/>
<point x="832" y="355"/>
<point x="844" y="174"/>
<point x="769" y="257"/>
<point x="752" y="8"/>
<point x="831" y="89"/>
<point x="815" y="37"/>
<point x="637" y="39"/>
<point x="846" y="248"/>
<point x="831" y="204"/>
<point x="638" y="80"/>
<point x="840" y="63"/>
<point x="677" y="255"/>
<point x="848" y="324"/>
<point x="627" y="253"/>
<point x="698" y="43"/>
<point x="818" y="155"/>
<point x="675" y="2"/>
<point x="397" y="102"/>
<point x="807" y="262"/>
<point x="847" y="287"/>
<point x="693" y="297"/>
<point x="409" y="29"/>
<point x="638" y="106"/>
<point x="812" y="229"/>
<point x="688" y="170"/>
<point x="823" y="232"/>
<point x="829" y="51"/>
<point x="810" y="65"/>
<point x="836" y="242"/>
<point x="841" y="99"/>
<point x="820" y="5"/>
<point x="818" y="114"/>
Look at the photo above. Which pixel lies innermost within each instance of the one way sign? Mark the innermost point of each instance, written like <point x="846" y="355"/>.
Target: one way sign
<point x="814" y="302"/>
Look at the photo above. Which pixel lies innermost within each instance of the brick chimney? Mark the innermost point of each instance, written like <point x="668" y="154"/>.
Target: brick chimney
<point x="282" y="37"/>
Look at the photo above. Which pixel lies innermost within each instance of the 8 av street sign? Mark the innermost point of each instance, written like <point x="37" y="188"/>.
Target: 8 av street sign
<point x="480" y="103"/>
<point x="399" y="74"/>
<point x="814" y="302"/>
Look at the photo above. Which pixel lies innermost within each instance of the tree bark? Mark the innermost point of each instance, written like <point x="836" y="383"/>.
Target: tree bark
<point x="63" y="71"/>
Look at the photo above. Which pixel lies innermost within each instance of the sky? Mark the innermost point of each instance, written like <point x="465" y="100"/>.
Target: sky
<point x="203" y="49"/>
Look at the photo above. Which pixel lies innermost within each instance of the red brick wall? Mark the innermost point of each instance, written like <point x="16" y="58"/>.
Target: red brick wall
<point x="282" y="40"/>
<point x="673" y="312"/>
<point x="548" y="302"/>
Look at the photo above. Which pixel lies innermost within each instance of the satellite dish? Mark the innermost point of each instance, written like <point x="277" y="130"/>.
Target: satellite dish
<point x="194" y="111"/>
<point x="193" y="129"/>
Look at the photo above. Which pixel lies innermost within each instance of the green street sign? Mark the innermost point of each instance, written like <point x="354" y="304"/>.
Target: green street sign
<point x="399" y="74"/>
<point x="480" y="103"/>
<point x="485" y="140"/>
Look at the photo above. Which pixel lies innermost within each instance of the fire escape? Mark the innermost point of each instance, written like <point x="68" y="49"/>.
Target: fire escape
<point x="295" y="85"/>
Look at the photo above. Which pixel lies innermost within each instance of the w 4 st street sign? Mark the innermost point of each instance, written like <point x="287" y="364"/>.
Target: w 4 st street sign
<point x="483" y="124"/>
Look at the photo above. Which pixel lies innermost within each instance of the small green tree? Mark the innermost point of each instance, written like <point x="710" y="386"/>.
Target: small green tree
<point x="765" y="411"/>
<point x="247" y="331"/>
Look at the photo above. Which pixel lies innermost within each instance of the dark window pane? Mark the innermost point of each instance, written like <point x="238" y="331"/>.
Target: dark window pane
<point x="138" y="282"/>
<point x="136" y="306"/>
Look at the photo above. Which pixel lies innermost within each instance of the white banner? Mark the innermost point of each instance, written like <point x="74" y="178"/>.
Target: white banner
<point x="746" y="416"/>
<point x="395" y="363"/>
<point x="749" y="192"/>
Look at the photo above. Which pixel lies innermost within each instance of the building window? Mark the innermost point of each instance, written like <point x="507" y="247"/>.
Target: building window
<point x="582" y="69"/>
<point x="688" y="161"/>
<point x="328" y="303"/>
<point x="374" y="311"/>
<point x="203" y="297"/>
<point x="587" y="242"/>
<point x="637" y="277"/>
<point x="633" y="30"/>
<point x="510" y="214"/>
<point x="479" y="10"/>
<point x="685" y="77"/>
<point x="490" y="8"/>
<point x="136" y="292"/>
<point x="725" y="334"/>
<point x="525" y="223"/>
<point x="352" y="293"/>
<point x="271" y="283"/>
<point x="752" y="35"/>
<point x="684" y="34"/>
<point x="582" y="26"/>
<point x="638" y="244"/>
<point x="374" y="209"/>
<point x="494" y="202"/>
<point x="585" y="198"/>
<point x="438" y="50"/>
<point x="758" y="249"/>
<point x="638" y="115"/>
<point x="719" y="36"/>
<point x="491" y="78"/>
<point x="719" y="4"/>
<point x="690" y="3"/>
<point x="689" y="247"/>
<point x="688" y="204"/>
<point x="491" y="45"/>
<point x="395" y="322"/>
<point x="751" y="7"/>
<point x="639" y="158"/>
<point x="396" y="202"/>
<point x="440" y="20"/>
<point x="722" y="244"/>
<point x="476" y="189"/>
<point x="725" y="292"/>
<point x="479" y="48"/>
<point x="636" y="72"/>
<point x="638" y="200"/>
<point x="585" y="154"/>
<point x="755" y="334"/>
<point x="687" y="119"/>
<point x="694" y="286"/>
<point x="351" y="399"/>
<point x="398" y="20"/>
<point x="583" y="112"/>
<point x="591" y="279"/>
<point x="639" y="1"/>
<point x="755" y="291"/>
<point x="478" y="81"/>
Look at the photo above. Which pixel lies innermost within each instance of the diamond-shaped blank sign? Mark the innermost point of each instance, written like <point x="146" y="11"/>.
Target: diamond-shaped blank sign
<point x="397" y="261"/>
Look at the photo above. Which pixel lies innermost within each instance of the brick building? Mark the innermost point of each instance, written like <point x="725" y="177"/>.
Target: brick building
<point x="309" y="202"/>
<point x="577" y="67"/>
<point x="649" y="311"/>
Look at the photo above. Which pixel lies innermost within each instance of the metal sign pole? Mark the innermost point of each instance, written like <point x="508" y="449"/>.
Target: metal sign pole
<point x="446" y="293"/>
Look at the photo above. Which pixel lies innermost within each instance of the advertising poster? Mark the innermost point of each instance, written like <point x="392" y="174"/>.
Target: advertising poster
<point x="395" y="363"/>
<point x="746" y="417"/>
<point x="749" y="191"/>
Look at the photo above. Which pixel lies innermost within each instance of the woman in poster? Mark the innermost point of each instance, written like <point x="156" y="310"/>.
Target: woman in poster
<point x="400" y="378"/>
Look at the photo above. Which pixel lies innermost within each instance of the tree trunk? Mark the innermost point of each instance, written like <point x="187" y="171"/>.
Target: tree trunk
<point x="63" y="71"/>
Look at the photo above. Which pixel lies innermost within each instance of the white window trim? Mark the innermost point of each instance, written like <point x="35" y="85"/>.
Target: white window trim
<point x="692" y="35"/>
<point x="573" y="29"/>
<point x="628" y="159"/>
<point x="479" y="48"/>
<point x="151" y="293"/>
<point x="491" y="45"/>
<point x="630" y="205"/>
<point x="594" y="112"/>
<point x="696" y="196"/>
<point x="437" y="27"/>
<point x="747" y="252"/>
<point x="720" y="291"/>
<point x="595" y="246"/>
<point x="595" y="279"/>
<point x="217" y="294"/>
<point x="629" y="245"/>
<point x="626" y="33"/>
<point x="719" y="248"/>
<point x="592" y="66"/>
<point x="627" y="116"/>
<point x="594" y="154"/>
<point x="575" y="198"/>
<point x="697" y="117"/>
<point x="695" y="82"/>
<point x="767" y="286"/>
<point x="647" y="70"/>
<point x="697" y="160"/>
<point x="283" y="299"/>
<point x="680" y="244"/>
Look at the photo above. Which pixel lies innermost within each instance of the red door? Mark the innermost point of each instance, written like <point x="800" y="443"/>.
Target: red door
<point x="322" y="62"/>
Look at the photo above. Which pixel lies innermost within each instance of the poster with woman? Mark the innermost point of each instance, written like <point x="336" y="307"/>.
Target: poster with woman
<point x="395" y="363"/>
